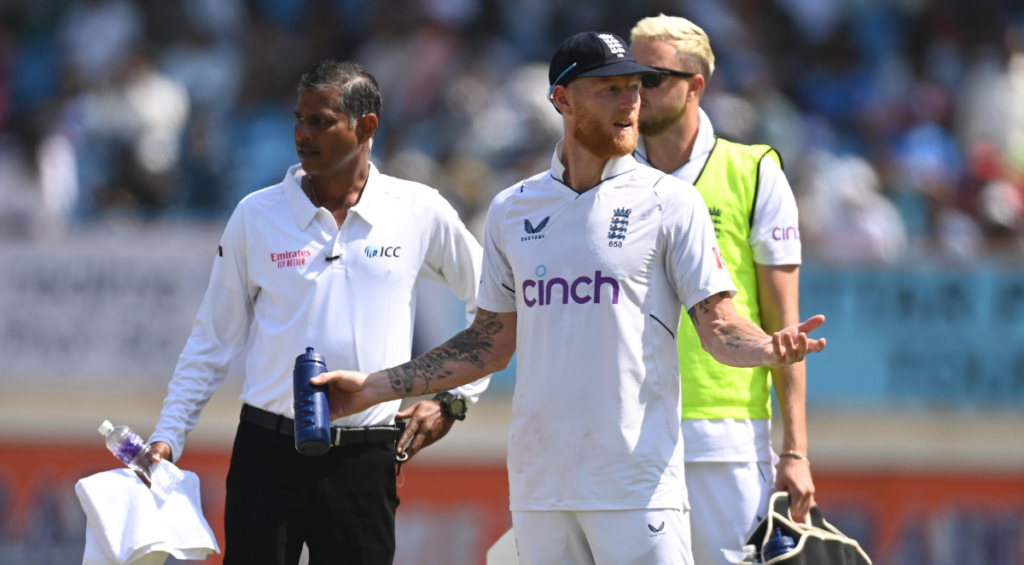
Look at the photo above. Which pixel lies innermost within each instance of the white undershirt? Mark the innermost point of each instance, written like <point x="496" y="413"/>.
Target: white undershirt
<point x="772" y="243"/>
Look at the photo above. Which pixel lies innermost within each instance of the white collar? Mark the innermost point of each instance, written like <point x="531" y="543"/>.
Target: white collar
<point x="370" y="207"/>
<point x="702" y="146"/>
<point x="613" y="168"/>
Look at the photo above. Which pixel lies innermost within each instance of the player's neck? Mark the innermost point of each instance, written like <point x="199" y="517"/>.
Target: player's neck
<point x="671" y="149"/>
<point x="340" y="188"/>
<point x="583" y="169"/>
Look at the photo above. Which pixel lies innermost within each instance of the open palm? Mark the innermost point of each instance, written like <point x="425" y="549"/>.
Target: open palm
<point x="792" y="344"/>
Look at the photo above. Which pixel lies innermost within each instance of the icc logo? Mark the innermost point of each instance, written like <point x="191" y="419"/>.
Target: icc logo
<point x="374" y="251"/>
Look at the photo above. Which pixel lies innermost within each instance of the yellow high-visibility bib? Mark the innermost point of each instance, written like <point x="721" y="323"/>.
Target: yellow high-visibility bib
<point x="711" y="390"/>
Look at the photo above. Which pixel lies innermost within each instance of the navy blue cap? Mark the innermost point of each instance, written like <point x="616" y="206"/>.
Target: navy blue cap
<point x="309" y="356"/>
<point x="592" y="54"/>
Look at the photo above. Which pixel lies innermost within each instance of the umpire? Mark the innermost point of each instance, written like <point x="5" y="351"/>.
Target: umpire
<point x="328" y="258"/>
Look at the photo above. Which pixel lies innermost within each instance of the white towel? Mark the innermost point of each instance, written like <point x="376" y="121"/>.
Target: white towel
<point x="127" y="523"/>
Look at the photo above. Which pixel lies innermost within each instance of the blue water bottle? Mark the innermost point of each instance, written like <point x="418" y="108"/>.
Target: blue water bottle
<point x="312" y="413"/>
<point x="778" y="545"/>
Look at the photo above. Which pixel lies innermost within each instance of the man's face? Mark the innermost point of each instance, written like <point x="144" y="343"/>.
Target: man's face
<point x="661" y="107"/>
<point x="605" y="111"/>
<point x="323" y="139"/>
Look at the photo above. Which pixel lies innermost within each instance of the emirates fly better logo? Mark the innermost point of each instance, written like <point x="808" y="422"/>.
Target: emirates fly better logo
<point x="289" y="258"/>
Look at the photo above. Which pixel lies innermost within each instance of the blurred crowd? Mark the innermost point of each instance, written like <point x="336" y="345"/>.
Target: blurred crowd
<point x="900" y="122"/>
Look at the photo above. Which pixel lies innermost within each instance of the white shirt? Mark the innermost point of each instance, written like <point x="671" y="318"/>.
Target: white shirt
<point x="598" y="281"/>
<point x="356" y="310"/>
<point x="772" y="243"/>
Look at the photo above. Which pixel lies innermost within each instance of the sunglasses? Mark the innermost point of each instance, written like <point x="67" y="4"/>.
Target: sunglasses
<point x="652" y="80"/>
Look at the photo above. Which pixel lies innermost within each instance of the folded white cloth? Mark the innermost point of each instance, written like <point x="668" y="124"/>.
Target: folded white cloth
<point x="164" y="479"/>
<point x="127" y="524"/>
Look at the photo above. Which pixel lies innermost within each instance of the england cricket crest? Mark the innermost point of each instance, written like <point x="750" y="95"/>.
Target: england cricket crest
<point x="620" y="222"/>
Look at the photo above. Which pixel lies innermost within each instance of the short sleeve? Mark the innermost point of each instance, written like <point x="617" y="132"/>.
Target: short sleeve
<point x="454" y="257"/>
<point x="694" y="261"/>
<point x="775" y="233"/>
<point x="497" y="285"/>
<point x="453" y="254"/>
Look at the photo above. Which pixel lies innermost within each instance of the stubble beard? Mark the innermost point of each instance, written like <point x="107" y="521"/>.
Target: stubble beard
<point x="660" y="124"/>
<point x="597" y="139"/>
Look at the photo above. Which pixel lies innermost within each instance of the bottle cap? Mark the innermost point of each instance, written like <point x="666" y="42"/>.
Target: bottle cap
<point x="778" y="544"/>
<point x="310" y="356"/>
<point x="106" y="427"/>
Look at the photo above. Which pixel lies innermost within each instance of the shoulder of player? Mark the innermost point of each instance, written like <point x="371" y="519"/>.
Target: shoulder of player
<point x="669" y="188"/>
<point x="764" y="156"/>
<point x="677" y="198"/>
<point x="266" y="201"/>
<point x="408" y="192"/>
<point x="423" y="202"/>
<point x="768" y="166"/>
<point x="506" y="197"/>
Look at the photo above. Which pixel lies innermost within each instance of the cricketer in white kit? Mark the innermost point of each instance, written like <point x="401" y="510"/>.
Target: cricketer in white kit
<point x="586" y="267"/>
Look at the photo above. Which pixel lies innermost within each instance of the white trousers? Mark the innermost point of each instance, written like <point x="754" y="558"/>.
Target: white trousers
<point x="727" y="500"/>
<point x="609" y="537"/>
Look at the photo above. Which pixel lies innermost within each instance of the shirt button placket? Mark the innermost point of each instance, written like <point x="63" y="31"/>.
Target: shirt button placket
<point x="339" y="252"/>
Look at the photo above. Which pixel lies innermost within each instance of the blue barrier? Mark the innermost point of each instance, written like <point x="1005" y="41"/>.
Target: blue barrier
<point x="914" y="338"/>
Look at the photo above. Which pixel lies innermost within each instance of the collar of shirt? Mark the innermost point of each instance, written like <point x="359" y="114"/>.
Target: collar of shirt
<point x="370" y="206"/>
<point x="702" y="147"/>
<point x="614" y="167"/>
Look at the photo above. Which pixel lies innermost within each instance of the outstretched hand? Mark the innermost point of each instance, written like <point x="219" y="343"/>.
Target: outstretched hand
<point x="792" y="344"/>
<point x="347" y="393"/>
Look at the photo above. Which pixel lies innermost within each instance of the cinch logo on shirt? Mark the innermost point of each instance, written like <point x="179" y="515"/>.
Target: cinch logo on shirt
<point x="290" y="258"/>
<point x="785" y="234"/>
<point x="582" y="289"/>
<point x="372" y="251"/>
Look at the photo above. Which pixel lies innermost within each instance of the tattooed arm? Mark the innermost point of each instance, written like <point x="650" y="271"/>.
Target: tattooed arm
<point x="483" y="348"/>
<point x="734" y="340"/>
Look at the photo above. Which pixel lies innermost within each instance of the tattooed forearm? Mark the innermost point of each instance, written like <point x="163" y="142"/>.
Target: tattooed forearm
<point x="474" y="345"/>
<point x="703" y="305"/>
<point x="737" y="335"/>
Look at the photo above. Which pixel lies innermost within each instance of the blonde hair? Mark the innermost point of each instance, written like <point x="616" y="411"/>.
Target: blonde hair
<point x="691" y="43"/>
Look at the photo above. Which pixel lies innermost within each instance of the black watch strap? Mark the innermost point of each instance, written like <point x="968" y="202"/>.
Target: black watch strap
<point x="446" y="399"/>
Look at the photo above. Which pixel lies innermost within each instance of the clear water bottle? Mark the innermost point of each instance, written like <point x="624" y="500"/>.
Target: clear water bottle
<point x="127" y="446"/>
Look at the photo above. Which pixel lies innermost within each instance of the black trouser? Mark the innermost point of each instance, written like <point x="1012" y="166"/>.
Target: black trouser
<point x="341" y="504"/>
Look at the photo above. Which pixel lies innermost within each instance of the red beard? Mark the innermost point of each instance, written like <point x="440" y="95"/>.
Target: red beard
<point x="601" y="138"/>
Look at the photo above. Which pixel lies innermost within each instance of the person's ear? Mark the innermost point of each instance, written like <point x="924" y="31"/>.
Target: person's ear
<point x="697" y="85"/>
<point x="561" y="99"/>
<point x="366" y="127"/>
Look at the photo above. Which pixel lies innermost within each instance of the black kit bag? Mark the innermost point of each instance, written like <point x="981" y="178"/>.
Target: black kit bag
<point x="817" y="543"/>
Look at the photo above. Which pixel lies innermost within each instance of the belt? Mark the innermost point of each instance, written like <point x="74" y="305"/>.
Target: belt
<point x="339" y="436"/>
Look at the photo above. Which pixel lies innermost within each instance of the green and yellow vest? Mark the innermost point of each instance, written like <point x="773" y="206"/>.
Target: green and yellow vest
<point x="710" y="390"/>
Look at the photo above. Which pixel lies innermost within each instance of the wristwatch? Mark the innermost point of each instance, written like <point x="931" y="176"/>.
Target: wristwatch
<point x="453" y="405"/>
